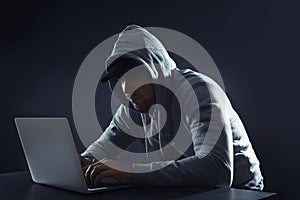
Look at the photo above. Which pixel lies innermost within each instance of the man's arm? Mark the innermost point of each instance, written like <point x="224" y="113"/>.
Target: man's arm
<point x="212" y="164"/>
<point x="99" y="159"/>
<point x="104" y="147"/>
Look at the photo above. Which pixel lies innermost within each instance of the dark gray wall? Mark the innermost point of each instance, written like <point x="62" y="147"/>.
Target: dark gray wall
<point x="255" y="44"/>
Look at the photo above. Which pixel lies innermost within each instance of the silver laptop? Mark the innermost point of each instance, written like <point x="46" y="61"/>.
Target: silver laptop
<point x="51" y="154"/>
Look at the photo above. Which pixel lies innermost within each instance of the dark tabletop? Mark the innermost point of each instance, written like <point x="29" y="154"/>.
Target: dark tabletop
<point x="19" y="185"/>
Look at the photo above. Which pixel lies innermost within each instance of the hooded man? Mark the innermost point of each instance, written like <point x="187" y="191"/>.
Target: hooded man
<point x="189" y="131"/>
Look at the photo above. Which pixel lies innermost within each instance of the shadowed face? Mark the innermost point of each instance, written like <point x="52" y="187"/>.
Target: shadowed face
<point x="137" y="89"/>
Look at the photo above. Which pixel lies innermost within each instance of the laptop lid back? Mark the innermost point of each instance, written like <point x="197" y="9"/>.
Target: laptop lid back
<point x="51" y="153"/>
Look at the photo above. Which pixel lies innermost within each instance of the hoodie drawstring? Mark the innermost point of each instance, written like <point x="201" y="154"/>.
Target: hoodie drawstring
<point x="159" y="133"/>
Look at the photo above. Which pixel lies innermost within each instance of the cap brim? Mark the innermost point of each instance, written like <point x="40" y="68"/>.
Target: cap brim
<point x="118" y="67"/>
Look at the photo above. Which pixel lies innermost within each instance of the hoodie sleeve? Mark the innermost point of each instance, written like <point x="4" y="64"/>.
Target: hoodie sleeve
<point x="212" y="164"/>
<point x="114" y="134"/>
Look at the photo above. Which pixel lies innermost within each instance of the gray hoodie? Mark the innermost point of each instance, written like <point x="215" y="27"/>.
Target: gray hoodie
<point x="191" y="136"/>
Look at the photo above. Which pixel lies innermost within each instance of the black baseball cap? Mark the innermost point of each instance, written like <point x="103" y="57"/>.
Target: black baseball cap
<point x="119" y="67"/>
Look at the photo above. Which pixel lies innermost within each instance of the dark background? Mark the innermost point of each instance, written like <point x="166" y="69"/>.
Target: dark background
<point x="255" y="45"/>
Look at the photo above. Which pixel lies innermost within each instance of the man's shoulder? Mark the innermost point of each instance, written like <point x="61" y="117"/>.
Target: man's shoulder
<point x="190" y="74"/>
<point x="187" y="79"/>
<point x="197" y="79"/>
<point x="195" y="84"/>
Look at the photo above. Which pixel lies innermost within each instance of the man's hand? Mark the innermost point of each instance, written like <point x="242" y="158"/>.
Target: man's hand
<point x="84" y="163"/>
<point x="107" y="168"/>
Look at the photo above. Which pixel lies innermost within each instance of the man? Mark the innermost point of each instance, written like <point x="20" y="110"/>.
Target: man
<point x="158" y="103"/>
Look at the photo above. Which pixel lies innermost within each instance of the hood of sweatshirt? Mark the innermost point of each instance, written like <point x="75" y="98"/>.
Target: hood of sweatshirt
<point x="136" y="43"/>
